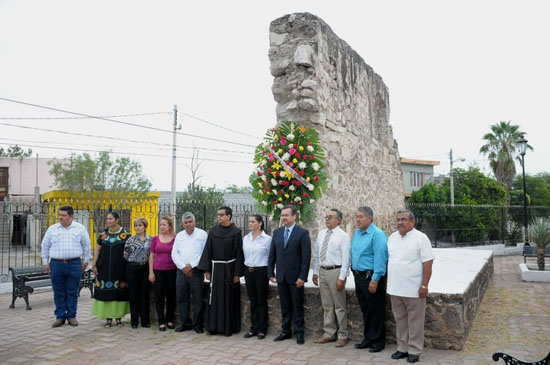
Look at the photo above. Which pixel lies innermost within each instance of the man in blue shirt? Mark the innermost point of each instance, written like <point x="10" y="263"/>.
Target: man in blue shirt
<point x="369" y="257"/>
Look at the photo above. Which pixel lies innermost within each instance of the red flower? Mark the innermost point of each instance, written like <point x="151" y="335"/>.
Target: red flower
<point x="277" y="173"/>
<point x="263" y="152"/>
<point x="259" y="173"/>
<point x="266" y="182"/>
<point x="312" y="157"/>
<point x="295" y="145"/>
<point x="309" y="143"/>
<point x="305" y="157"/>
<point x="305" y="195"/>
<point x="272" y="147"/>
<point x="297" y="155"/>
<point x="301" y="173"/>
<point x="269" y="170"/>
<point x="316" y="178"/>
<point x="274" y="202"/>
<point x="296" y="169"/>
<point x="281" y="192"/>
<point x="298" y="183"/>
<point x="281" y="182"/>
<point x="291" y="203"/>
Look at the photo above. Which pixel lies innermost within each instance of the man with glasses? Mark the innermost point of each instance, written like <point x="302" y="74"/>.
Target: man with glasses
<point x="222" y="261"/>
<point x="369" y="257"/>
<point x="330" y="270"/>
<point x="409" y="272"/>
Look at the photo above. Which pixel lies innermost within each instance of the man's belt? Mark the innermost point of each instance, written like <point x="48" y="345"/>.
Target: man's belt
<point x="252" y="269"/>
<point x="331" y="267"/>
<point x="366" y="273"/>
<point x="66" y="260"/>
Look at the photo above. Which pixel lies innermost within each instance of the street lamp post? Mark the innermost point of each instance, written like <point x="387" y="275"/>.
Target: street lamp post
<point x="451" y="175"/>
<point x="522" y="144"/>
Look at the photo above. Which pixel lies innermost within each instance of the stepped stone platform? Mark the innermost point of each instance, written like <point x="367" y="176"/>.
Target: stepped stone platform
<point x="459" y="280"/>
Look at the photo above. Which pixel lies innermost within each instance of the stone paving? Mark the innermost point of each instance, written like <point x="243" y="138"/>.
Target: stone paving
<point x="514" y="317"/>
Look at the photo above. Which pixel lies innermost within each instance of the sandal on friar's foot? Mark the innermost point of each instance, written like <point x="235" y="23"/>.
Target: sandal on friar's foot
<point x="119" y="322"/>
<point x="109" y="323"/>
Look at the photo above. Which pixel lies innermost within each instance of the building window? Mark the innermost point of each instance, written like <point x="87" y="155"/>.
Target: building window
<point x="417" y="179"/>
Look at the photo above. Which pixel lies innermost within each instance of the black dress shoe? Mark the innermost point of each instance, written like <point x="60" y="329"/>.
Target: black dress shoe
<point x="300" y="340"/>
<point x="182" y="328"/>
<point x="199" y="330"/>
<point x="413" y="358"/>
<point x="249" y="334"/>
<point x="363" y="345"/>
<point x="261" y="336"/>
<point x="134" y="326"/>
<point x="377" y="348"/>
<point x="282" y="336"/>
<point x="399" y="355"/>
<point x="146" y="325"/>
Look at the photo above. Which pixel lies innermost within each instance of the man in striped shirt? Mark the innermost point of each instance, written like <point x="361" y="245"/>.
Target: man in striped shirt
<point x="63" y="246"/>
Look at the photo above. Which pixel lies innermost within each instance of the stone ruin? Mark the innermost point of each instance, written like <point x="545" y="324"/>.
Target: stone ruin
<point x="321" y="82"/>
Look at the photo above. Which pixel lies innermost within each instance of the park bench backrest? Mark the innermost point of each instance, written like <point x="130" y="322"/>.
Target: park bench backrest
<point x="29" y="273"/>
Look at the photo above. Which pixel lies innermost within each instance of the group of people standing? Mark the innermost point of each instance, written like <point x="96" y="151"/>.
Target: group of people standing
<point x="126" y="265"/>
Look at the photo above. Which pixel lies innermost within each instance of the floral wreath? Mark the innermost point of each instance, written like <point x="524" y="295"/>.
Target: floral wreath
<point x="290" y="171"/>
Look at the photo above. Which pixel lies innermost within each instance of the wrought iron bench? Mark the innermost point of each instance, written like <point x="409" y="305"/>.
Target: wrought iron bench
<point x="532" y="251"/>
<point x="26" y="279"/>
<point x="513" y="361"/>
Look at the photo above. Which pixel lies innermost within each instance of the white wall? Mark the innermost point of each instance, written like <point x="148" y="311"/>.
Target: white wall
<point x="22" y="175"/>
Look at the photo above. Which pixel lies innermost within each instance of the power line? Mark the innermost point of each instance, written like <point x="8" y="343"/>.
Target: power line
<point x="220" y="126"/>
<point x="131" y="154"/>
<point x="103" y="116"/>
<point x="124" y="123"/>
<point x="116" y="138"/>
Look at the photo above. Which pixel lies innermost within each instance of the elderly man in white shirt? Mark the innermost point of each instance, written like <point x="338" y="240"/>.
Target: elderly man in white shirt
<point x="63" y="246"/>
<point x="331" y="260"/>
<point x="186" y="254"/>
<point x="409" y="272"/>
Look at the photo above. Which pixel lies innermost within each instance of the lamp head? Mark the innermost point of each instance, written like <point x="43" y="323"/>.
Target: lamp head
<point x="522" y="144"/>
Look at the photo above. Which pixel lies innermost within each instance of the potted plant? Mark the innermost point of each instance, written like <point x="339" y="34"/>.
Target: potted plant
<point x="539" y="232"/>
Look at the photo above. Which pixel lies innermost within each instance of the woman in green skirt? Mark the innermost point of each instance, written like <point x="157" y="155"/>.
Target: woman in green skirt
<point x="111" y="296"/>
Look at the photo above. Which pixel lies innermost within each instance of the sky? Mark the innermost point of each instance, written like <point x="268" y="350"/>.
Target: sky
<point x="452" y="68"/>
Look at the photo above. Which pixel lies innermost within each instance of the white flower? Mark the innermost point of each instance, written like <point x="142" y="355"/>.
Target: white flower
<point x="311" y="201"/>
<point x="267" y="146"/>
<point x="291" y="188"/>
<point x="273" y="182"/>
<point x="286" y="156"/>
<point x="262" y="163"/>
<point x="310" y="148"/>
<point x="264" y="202"/>
<point x="290" y="136"/>
<point x="311" y="187"/>
<point x="302" y="165"/>
<point x="264" y="178"/>
<point x="315" y="166"/>
<point x="280" y="206"/>
<point x="297" y="199"/>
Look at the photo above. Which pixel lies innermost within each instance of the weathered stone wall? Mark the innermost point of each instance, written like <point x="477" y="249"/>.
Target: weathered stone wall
<point x="448" y="316"/>
<point x="320" y="81"/>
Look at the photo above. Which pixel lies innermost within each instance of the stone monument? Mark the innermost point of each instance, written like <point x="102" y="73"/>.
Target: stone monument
<point x="321" y="82"/>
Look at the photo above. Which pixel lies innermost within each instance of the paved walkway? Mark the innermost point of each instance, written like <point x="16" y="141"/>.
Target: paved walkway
<point x="514" y="317"/>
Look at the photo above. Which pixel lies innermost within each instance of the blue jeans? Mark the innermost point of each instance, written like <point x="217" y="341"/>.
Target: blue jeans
<point x="65" y="277"/>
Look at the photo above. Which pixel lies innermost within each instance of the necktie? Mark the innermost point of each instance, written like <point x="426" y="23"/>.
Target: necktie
<point x="287" y="233"/>
<point x="324" y="248"/>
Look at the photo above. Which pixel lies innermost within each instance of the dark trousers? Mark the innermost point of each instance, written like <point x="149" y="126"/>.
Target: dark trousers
<point x="372" y="306"/>
<point x="292" y="305"/>
<point x="165" y="287"/>
<point x="190" y="289"/>
<point x="138" y="289"/>
<point x="257" y="284"/>
<point x="65" y="278"/>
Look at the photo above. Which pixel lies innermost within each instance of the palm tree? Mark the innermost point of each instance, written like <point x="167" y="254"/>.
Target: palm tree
<point x="539" y="231"/>
<point x="501" y="147"/>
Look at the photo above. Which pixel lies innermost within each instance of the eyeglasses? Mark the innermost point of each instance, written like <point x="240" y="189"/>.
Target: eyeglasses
<point x="328" y="217"/>
<point x="220" y="214"/>
<point x="403" y="219"/>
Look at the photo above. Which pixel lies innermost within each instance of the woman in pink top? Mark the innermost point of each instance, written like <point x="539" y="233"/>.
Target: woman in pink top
<point x="162" y="272"/>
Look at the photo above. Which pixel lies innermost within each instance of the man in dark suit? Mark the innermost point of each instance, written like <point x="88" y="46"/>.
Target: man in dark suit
<point x="290" y="254"/>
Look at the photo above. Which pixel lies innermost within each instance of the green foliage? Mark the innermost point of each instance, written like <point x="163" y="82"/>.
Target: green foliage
<point x="501" y="147"/>
<point x="537" y="186"/>
<point x="539" y="232"/>
<point x="466" y="224"/>
<point x="234" y="189"/>
<point x="15" y="151"/>
<point x="203" y="202"/>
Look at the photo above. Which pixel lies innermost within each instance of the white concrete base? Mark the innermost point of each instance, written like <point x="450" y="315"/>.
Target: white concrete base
<point x="531" y="272"/>
<point x="499" y="249"/>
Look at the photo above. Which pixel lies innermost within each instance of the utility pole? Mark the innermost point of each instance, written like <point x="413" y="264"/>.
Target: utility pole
<point x="451" y="175"/>
<point x="176" y="127"/>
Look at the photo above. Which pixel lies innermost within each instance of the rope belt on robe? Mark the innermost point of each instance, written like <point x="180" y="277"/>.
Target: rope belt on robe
<point x="214" y="262"/>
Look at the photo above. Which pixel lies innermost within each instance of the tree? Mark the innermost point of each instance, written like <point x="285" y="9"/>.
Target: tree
<point x="234" y="189"/>
<point x="95" y="181"/>
<point x="538" y="188"/>
<point x="501" y="147"/>
<point x="203" y="202"/>
<point x="15" y="151"/>
<point x="539" y="231"/>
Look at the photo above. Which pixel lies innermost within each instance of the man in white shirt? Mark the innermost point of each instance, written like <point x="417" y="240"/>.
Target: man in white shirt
<point x="63" y="246"/>
<point x="330" y="270"/>
<point x="409" y="271"/>
<point x="186" y="254"/>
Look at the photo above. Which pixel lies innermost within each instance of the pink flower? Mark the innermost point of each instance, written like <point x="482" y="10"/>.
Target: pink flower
<point x="292" y="151"/>
<point x="283" y="142"/>
<point x="290" y="164"/>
